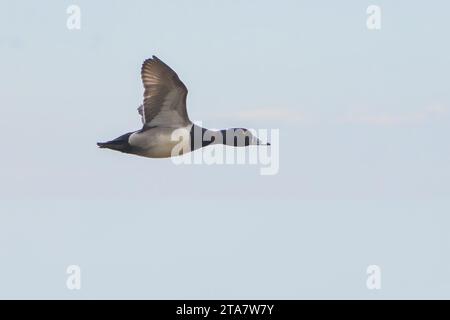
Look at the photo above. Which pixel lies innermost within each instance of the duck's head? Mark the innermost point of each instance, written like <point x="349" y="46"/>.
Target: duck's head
<point x="241" y="137"/>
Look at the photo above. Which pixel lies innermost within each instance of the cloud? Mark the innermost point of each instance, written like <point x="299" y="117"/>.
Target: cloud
<point x="430" y="113"/>
<point x="271" y="114"/>
<point x="357" y="116"/>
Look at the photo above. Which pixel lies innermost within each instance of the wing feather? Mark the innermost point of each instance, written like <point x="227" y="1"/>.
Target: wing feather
<point x="164" y="96"/>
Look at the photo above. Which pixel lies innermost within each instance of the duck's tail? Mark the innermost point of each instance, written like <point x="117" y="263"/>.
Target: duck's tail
<point x="119" y="144"/>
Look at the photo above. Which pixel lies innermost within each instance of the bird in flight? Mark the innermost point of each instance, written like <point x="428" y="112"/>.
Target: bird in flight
<point x="167" y="130"/>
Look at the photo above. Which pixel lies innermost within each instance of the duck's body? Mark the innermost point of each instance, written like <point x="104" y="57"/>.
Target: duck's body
<point x="157" y="142"/>
<point x="167" y="129"/>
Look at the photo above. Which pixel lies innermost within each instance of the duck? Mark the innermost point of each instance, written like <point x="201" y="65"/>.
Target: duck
<point x="167" y="130"/>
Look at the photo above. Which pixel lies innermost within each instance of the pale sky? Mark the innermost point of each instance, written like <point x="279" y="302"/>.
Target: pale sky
<point x="364" y="179"/>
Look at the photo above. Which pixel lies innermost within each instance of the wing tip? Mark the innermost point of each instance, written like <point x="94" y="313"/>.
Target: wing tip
<point x="150" y="60"/>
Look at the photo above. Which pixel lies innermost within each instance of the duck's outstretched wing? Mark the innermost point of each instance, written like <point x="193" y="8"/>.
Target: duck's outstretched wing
<point x="164" y="96"/>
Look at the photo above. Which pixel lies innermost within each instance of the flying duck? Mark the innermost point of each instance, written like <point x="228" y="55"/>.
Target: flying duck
<point x="167" y="130"/>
